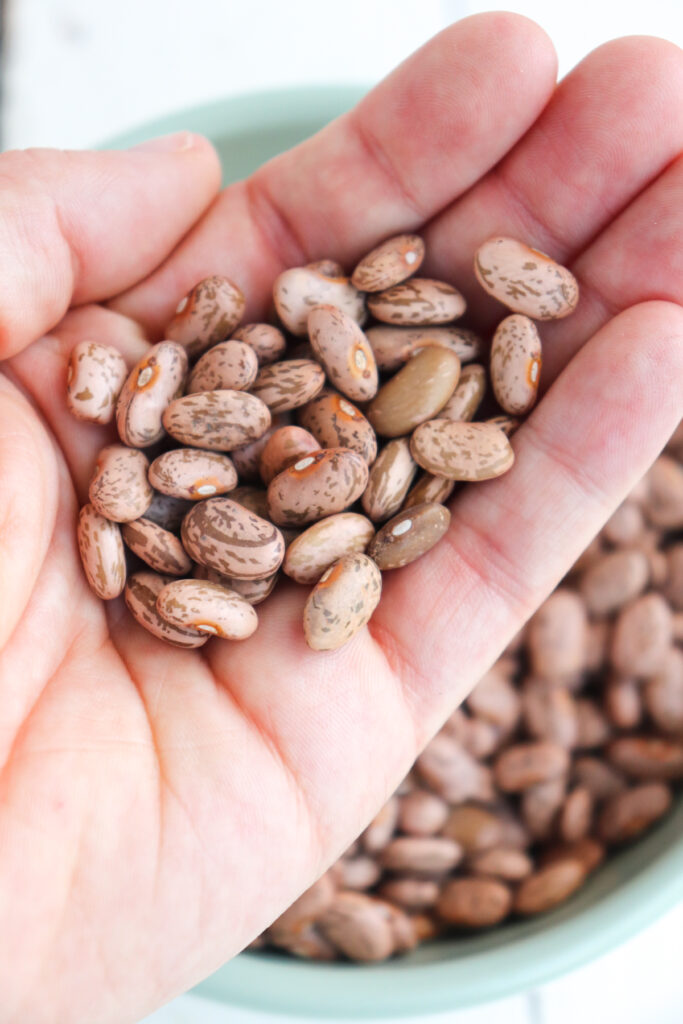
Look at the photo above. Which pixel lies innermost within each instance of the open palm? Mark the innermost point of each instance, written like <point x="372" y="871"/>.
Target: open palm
<point x="159" y="807"/>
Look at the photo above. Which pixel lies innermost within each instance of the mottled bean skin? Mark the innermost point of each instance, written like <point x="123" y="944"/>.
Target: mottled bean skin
<point x="207" y="314"/>
<point x="289" y="384"/>
<point x="167" y="511"/>
<point x="389" y="263"/>
<point x="342" y="602"/>
<point x="393" y="346"/>
<point x="119" y="489"/>
<point x="318" y="485"/>
<point x="416" y="393"/>
<point x="284" y="447"/>
<point x="525" y="280"/>
<point x="468" y="395"/>
<point x="247" y="458"/>
<point x="229" y="366"/>
<point x="549" y="886"/>
<point x="253" y="591"/>
<point x="95" y="376"/>
<point x="390" y="477"/>
<point x="268" y="342"/>
<point x="429" y="488"/>
<point x="516" y="364"/>
<point x="159" y="548"/>
<point x="417" y="302"/>
<point x="462" y="451"/>
<point x="474" y="902"/>
<point x="323" y="543"/>
<point x="152" y="384"/>
<point x="102" y="554"/>
<point x="409" y="535"/>
<point x="344" y="351"/>
<point x="336" y="423"/>
<point x="192" y="473"/>
<point x="217" y="420"/>
<point x="224" y="535"/>
<point x="298" y="290"/>
<point x="207" y="607"/>
<point x="140" y="595"/>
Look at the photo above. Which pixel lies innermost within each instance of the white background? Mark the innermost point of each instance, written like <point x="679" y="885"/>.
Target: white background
<point x="80" y="70"/>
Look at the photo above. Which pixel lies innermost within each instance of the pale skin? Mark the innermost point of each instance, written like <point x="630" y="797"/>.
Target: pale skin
<point x="158" y="807"/>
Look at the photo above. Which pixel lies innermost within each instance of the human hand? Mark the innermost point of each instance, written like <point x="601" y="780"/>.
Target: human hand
<point x="159" y="807"/>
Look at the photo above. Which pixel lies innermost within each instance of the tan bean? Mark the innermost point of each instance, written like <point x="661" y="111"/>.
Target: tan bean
<point x="461" y="451"/>
<point x="253" y="498"/>
<point x="217" y="420"/>
<point x="576" y="816"/>
<point x="285" y="446"/>
<point x="336" y="423"/>
<point x="288" y="384"/>
<point x="344" y="351"/>
<point x="167" y="511"/>
<point x="623" y="703"/>
<point x="647" y="757"/>
<point x="540" y="806"/>
<point x="253" y="591"/>
<point x="409" y="535"/>
<point x="614" y="580"/>
<point x="602" y="780"/>
<point x="325" y="542"/>
<point x="642" y="636"/>
<point x="225" y="536"/>
<point x="451" y="772"/>
<point x="664" y="504"/>
<point x="102" y="554"/>
<point x="140" y="595"/>
<point x="557" y="636"/>
<point x="474" y="828"/>
<point x="382" y="827"/>
<point x="416" y="393"/>
<point x="526" y="764"/>
<point x="358" y="926"/>
<point x="422" y="813"/>
<point x="152" y="384"/>
<point x="549" y="712"/>
<point x="417" y="302"/>
<point x="389" y="263"/>
<point x="247" y="458"/>
<point x="410" y="893"/>
<point x="268" y="342"/>
<point x="468" y="395"/>
<point x="429" y="488"/>
<point x="474" y="902"/>
<point x="297" y="290"/>
<point x="516" y="364"/>
<point x="549" y="886"/>
<point x="95" y="376"/>
<point x="318" y="485"/>
<point x="230" y="366"/>
<point x="393" y="346"/>
<point x="192" y="473"/>
<point x="663" y="694"/>
<point x="502" y="862"/>
<point x="625" y="815"/>
<point x="207" y="314"/>
<point x="119" y="489"/>
<point x="389" y="480"/>
<point x="207" y="607"/>
<point x="159" y="548"/>
<point x="495" y="699"/>
<point x="525" y="280"/>
<point x="342" y="602"/>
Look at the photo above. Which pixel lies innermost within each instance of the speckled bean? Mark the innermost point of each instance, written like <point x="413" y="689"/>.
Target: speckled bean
<point x="516" y="364"/>
<point x="409" y="535"/>
<point x="525" y="280"/>
<point x="462" y="451"/>
<point x="268" y="342"/>
<point x="229" y="366"/>
<point x="410" y="893"/>
<point x="558" y="635"/>
<point x="613" y="580"/>
<point x="298" y="290"/>
<point x="152" y="384"/>
<point x="389" y="263"/>
<point x="549" y="712"/>
<point x="344" y="351"/>
<point x="336" y="423"/>
<point x="577" y="815"/>
<point x="342" y="602"/>
<point x="417" y="302"/>
<point x="663" y="694"/>
<point x="207" y="314"/>
<point x="253" y="591"/>
<point x="508" y="424"/>
<point x="358" y="926"/>
<point x="625" y="815"/>
<point x="288" y="384"/>
<point x="475" y="828"/>
<point x="159" y="548"/>
<point x="454" y="774"/>
<point x="247" y="458"/>
<point x="207" y="607"/>
<point x="285" y="446"/>
<point x="647" y="757"/>
<point x="393" y="346"/>
<point x="217" y="420"/>
<point x="192" y="473"/>
<point x="316" y="486"/>
<point x="140" y="595"/>
<point x="102" y="554"/>
<point x="525" y="764"/>
<point x="422" y="813"/>
<point x="95" y="376"/>
<point x="167" y="511"/>
<point x="502" y="862"/>
<point x="474" y="902"/>
<point x="225" y="536"/>
<point x="549" y="886"/>
<point x="119" y="488"/>
<point x="642" y="636"/>
<point x="429" y="488"/>
<point x="416" y="393"/>
<point x="421" y="855"/>
<point x="325" y="542"/>
<point x="390" y="478"/>
<point x="468" y="395"/>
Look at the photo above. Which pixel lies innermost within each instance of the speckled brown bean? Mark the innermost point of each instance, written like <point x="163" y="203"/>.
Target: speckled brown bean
<point x="328" y="267"/>
<point x="642" y="636"/>
<point x="474" y="828"/>
<point x="625" y="815"/>
<point x="421" y="855"/>
<point x="94" y="378"/>
<point x="268" y="342"/>
<point x="230" y="366"/>
<point x="601" y="779"/>
<point x="390" y="477"/>
<point x="119" y="488"/>
<point x="409" y="535"/>
<point x="468" y="395"/>
<point x="647" y="757"/>
<point x="549" y="886"/>
<point x="192" y="473"/>
<point x="540" y="806"/>
<point x="417" y="302"/>
<point x="549" y="712"/>
<point x="393" y="346"/>
<point x="102" y="554"/>
<point x="557" y="636"/>
<point x="159" y="548"/>
<point x="342" y="602"/>
<point x="663" y="694"/>
<point x="285" y="446"/>
<point x="516" y="364"/>
<point x="623" y="702"/>
<point x="429" y="488"/>
<point x="207" y="607"/>
<point x="673" y="590"/>
<point x="451" y="772"/>
<point x="207" y="314"/>
<point x="587" y="851"/>
<point x="474" y="902"/>
<point x="508" y="424"/>
<point x="410" y="893"/>
<point x="142" y="590"/>
<point x="502" y="862"/>
<point x="298" y="290"/>
<point x="225" y="536"/>
<point x="253" y="591"/>
<point x="577" y="815"/>
<point x="416" y="393"/>
<point x="288" y="384"/>
<point x="336" y="423"/>
<point x="495" y="699"/>
<point x="525" y="764"/>
<point x="614" y="580"/>
<point x="344" y="351"/>
<point x="217" y="420"/>
<point x="152" y="384"/>
<point x="389" y="263"/>
<point x="247" y="458"/>
<point x="323" y="543"/>
<point x="167" y="511"/>
<point x="358" y="926"/>
<point x="462" y="451"/>
<point x="525" y="280"/>
<point x="316" y="486"/>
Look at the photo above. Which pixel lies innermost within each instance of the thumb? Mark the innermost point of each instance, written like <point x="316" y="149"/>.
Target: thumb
<point x="81" y="227"/>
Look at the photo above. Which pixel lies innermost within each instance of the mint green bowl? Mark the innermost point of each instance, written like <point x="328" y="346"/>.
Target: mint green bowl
<point x="627" y="893"/>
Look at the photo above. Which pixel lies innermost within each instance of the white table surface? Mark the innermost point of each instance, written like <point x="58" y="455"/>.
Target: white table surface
<point x="79" y="70"/>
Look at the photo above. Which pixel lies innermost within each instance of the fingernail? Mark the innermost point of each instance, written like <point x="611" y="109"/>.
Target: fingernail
<point x="174" y="143"/>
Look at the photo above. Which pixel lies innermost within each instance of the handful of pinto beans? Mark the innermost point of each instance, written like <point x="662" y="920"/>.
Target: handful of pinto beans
<point x="209" y="450"/>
